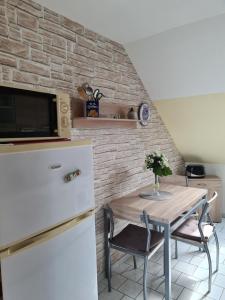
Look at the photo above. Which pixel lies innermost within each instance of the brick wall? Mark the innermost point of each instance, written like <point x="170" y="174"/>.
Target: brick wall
<point x="38" y="47"/>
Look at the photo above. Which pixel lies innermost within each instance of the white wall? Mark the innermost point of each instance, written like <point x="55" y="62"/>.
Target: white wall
<point x="185" y="61"/>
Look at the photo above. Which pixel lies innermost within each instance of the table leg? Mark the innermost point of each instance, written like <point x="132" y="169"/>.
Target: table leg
<point x="167" y="262"/>
<point x="106" y="248"/>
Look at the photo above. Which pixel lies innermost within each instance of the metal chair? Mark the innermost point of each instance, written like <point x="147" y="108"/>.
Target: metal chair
<point x="198" y="233"/>
<point x="134" y="240"/>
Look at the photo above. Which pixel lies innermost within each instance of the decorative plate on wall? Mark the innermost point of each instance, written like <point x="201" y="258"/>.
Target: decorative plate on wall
<point x="144" y="114"/>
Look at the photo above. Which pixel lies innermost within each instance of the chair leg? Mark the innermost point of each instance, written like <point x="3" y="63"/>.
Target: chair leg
<point x="164" y="259"/>
<point x="176" y="249"/>
<point x="135" y="262"/>
<point x="109" y="272"/>
<point x="155" y="227"/>
<point x="145" y="278"/>
<point x="210" y="267"/>
<point x="217" y="252"/>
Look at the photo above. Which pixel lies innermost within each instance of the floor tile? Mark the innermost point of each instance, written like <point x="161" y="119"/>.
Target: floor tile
<point x="154" y="281"/>
<point x="121" y="268"/>
<point x="174" y="262"/>
<point x="189" y="295"/>
<point x="204" y="264"/>
<point x="154" y="268"/>
<point x="216" y="291"/>
<point x="176" y="290"/>
<point x="134" y="274"/>
<point x="117" y="280"/>
<point x="221" y="269"/>
<point x="152" y="295"/>
<point x="175" y="275"/>
<point x="130" y="288"/>
<point x="185" y="268"/>
<point x="102" y="284"/>
<point x="201" y="273"/>
<point x="126" y="298"/>
<point x="158" y="257"/>
<point x="188" y="281"/>
<point x="184" y="256"/>
<point x="113" y="295"/>
<point x="196" y="260"/>
<point x="208" y="298"/>
<point x="223" y="295"/>
<point x="219" y="280"/>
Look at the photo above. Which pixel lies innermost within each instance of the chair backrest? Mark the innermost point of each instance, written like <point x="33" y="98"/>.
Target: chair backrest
<point x="109" y="225"/>
<point x="109" y="222"/>
<point x="205" y="215"/>
<point x="145" y="219"/>
<point x="214" y="196"/>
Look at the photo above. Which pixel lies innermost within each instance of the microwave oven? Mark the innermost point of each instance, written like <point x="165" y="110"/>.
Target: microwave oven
<point x="27" y="115"/>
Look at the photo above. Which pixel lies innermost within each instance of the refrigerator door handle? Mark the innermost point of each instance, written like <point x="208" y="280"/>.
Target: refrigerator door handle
<point x="72" y="175"/>
<point x="55" y="167"/>
<point x="45" y="236"/>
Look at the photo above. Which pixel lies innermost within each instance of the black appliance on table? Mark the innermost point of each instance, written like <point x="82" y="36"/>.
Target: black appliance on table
<point x="195" y="171"/>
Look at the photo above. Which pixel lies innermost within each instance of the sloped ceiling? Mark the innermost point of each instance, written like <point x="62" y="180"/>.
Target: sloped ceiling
<point x="129" y="20"/>
<point x="183" y="70"/>
<point x="178" y="49"/>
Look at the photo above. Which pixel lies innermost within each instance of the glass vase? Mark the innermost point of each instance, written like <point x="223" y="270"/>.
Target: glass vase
<point x="156" y="186"/>
<point x="154" y="193"/>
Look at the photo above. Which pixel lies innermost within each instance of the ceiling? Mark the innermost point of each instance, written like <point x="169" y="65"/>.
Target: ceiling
<point x="130" y="20"/>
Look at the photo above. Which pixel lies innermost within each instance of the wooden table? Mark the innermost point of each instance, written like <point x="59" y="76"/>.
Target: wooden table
<point x="162" y="213"/>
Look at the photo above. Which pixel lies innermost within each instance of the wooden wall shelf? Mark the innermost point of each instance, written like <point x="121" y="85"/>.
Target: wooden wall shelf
<point x="108" y="110"/>
<point x="104" y="123"/>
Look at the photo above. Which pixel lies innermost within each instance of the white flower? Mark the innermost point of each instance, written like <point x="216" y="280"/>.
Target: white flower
<point x="166" y="164"/>
<point x="160" y="159"/>
<point x="161" y="164"/>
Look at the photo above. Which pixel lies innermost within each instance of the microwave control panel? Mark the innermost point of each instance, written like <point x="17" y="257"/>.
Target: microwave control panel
<point x="64" y="116"/>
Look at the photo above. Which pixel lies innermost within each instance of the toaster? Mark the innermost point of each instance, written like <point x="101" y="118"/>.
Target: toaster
<point x="195" y="171"/>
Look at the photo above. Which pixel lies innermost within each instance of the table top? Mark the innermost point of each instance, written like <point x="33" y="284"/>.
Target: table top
<point x="131" y="206"/>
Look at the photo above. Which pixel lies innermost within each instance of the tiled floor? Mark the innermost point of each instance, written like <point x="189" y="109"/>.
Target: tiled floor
<point x="189" y="275"/>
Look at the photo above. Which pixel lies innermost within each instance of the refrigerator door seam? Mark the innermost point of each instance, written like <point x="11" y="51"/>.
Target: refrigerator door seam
<point x="45" y="236"/>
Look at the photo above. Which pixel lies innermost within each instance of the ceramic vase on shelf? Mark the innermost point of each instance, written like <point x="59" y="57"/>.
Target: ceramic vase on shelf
<point x="132" y="114"/>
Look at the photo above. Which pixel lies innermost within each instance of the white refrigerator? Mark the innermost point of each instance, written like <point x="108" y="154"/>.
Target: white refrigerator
<point x="47" y="225"/>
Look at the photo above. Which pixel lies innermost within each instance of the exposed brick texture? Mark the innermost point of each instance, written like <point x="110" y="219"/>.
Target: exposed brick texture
<point x="39" y="47"/>
<point x="27" y="20"/>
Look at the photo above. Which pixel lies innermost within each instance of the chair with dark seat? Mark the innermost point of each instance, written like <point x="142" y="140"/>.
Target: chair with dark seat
<point x="134" y="240"/>
<point x="199" y="233"/>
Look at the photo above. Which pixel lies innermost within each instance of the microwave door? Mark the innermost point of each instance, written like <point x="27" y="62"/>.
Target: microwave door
<point x="33" y="115"/>
<point x="7" y="114"/>
<point x="36" y="116"/>
<point x="28" y="115"/>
